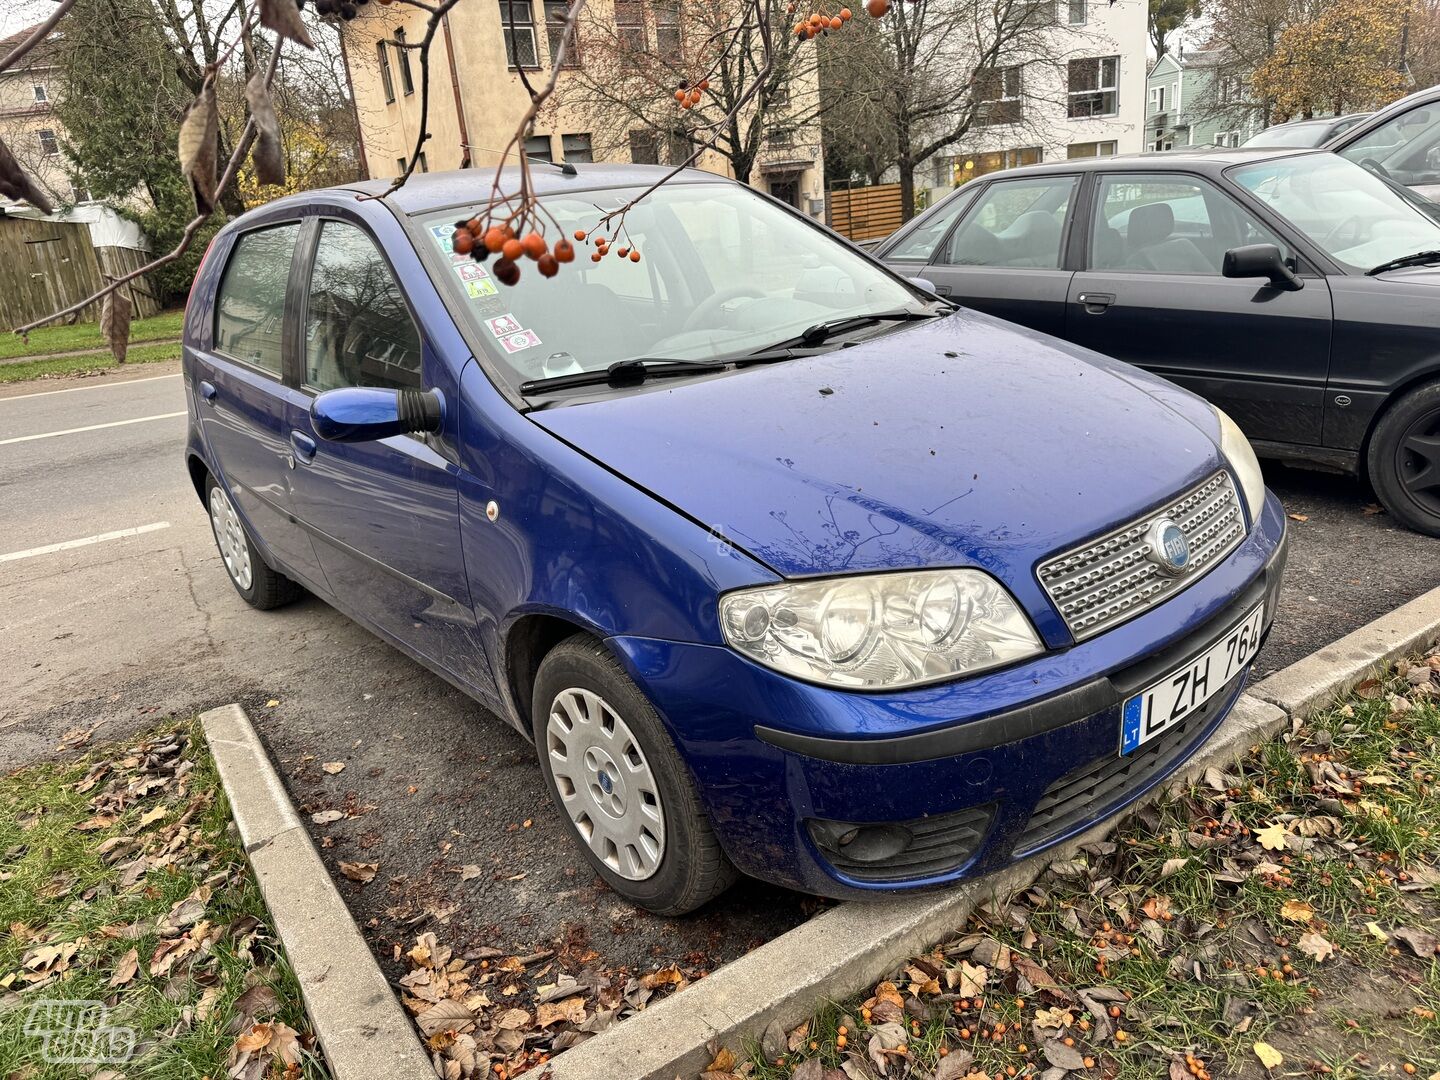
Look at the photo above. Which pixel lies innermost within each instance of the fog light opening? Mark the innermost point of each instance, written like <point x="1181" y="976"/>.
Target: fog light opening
<point x="862" y="843"/>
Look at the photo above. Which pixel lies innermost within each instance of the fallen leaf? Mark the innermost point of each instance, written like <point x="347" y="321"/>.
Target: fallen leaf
<point x="1055" y="1017"/>
<point x="1062" y="1056"/>
<point x="256" y="1038"/>
<point x="446" y="1015"/>
<point x="1173" y="866"/>
<point x="469" y="872"/>
<point x="1272" y="837"/>
<point x="1316" y="946"/>
<point x="127" y="969"/>
<point x="723" y="1061"/>
<point x="359" y="871"/>
<point x="325" y="817"/>
<point x="972" y="979"/>
<point x="553" y="1012"/>
<point x="1297" y="911"/>
<point x="1422" y="944"/>
<point x="333" y="767"/>
<point x="1376" y="932"/>
<point x="1299" y="517"/>
<point x="1268" y="1055"/>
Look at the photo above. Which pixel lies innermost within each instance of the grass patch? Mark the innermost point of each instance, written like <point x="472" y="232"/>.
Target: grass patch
<point x="53" y="339"/>
<point x="123" y="885"/>
<point x="22" y="370"/>
<point x="1287" y="905"/>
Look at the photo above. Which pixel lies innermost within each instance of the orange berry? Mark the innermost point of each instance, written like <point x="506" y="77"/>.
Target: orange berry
<point x="840" y="1040"/>
<point x="814" y="19"/>
<point x="474" y="225"/>
<point x="622" y="252"/>
<point x="703" y="84"/>
<point x="1114" y="1011"/>
<point x="564" y="252"/>
<point x="512" y="249"/>
<point x="681" y="95"/>
<point x="464" y="242"/>
<point x="687" y="104"/>
<point x="494" y="238"/>
<point x="876" y="8"/>
<point x="843" y="1030"/>
<point x="506" y="272"/>
<point x="964" y="1033"/>
<point x="1020" y="1003"/>
<point x="1408" y="1068"/>
<point x="580" y="234"/>
<point x="835" y="22"/>
<point x="1023" y="1048"/>
<point x="846" y="14"/>
<point x="634" y="255"/>
<point x="1121" y="1036"/>
<point x="1089" y="1063"/>
<point x="534" y="245"/>
<point x="595" y="256"/>
<point x="1069" y="1040"/>
<point x="548" y="264"/>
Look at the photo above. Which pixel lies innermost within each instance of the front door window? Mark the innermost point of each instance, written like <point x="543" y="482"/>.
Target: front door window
<point x="1015" y="223"/>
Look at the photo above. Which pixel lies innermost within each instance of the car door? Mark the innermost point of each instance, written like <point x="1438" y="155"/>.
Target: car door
<point x="1005" y="256"/>
<point x="1151" y="293"/>
<point x="916" y="245"/>
<point x="384" y="514"/>
<point x="241" y="397"/>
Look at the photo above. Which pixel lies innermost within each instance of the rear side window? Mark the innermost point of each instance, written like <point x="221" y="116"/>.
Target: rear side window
<point x="358" y="330"/>
<point x="1015" y="223"/>
<point x="250" y="318"/>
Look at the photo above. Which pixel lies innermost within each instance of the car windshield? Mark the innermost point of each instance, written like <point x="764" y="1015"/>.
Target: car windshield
<point x="722" y="272"/>
<point x="1354" y="216"/>
<point x="1291" y="135"/>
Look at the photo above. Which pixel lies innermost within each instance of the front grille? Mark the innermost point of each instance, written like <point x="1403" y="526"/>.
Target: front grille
<point x="939" y="843"/>
<point x="1081" y="794"/>
<point x="1110" y="580"/>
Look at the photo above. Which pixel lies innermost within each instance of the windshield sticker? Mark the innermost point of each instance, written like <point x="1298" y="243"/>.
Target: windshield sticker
<point x="504" y="325"/>
<point x="524" y="339"/>
<point x="476" y="289"/>
<point x="469" y="271"/>
<point x="444" y="236"/>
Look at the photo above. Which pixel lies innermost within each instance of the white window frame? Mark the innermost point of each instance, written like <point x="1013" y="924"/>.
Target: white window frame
<point x="49" y="147"/>
<point x="1101" y="87"/>
<point x="1082" y="7"/>
<point x="41" y="92"/>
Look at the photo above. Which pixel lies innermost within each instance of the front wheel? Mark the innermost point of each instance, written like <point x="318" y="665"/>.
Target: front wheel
<point x="258" y="585"/>
<point x="620" y="785"/>
<point x="1404" y="459"/>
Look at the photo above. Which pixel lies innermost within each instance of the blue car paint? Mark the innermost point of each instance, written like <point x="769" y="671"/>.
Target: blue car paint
<point x="627" y="516"/>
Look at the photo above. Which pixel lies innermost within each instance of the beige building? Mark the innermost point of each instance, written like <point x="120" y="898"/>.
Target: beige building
<point x="27" y="119"/>
<point x="477" y="98"/>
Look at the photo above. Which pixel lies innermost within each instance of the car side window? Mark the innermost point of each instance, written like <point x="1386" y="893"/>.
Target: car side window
<point x="1408" y="143"/>
<point x="1015" y="223"/>
<point x="250" y="312"/>
<point x="926" y="237"/>
<point x="358" y="331"/>
<point x="1169" y="224"/>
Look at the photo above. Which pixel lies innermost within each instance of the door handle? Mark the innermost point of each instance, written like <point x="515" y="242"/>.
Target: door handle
<point x="1096" y="302"/>
<point x="207" y="392"/>
<point x="942" y="290"/>
<point x="302" y="448"/>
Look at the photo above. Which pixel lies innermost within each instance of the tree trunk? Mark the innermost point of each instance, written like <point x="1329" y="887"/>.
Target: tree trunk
<point x="907" y="189"/>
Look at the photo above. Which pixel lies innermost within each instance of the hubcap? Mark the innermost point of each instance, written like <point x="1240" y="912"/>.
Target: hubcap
<point x="230" y="537"/>
<point x="605" y="783"/>
<point x="1418" y="462"/>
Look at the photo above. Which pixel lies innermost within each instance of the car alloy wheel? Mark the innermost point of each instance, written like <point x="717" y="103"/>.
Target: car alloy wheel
<point x="605" y="783"/>
<point x="1418" y="461"/>
<point x="230" y="537"/>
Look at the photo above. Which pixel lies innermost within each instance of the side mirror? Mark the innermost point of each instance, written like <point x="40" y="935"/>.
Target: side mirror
<point x="1260" y="260"/>
<point x="364" y="413"/>
<point x="924" y="283"/>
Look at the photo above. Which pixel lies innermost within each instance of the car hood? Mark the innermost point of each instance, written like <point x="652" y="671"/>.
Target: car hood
<point x="960" y="441"/>
<point x="1413" y="275"/>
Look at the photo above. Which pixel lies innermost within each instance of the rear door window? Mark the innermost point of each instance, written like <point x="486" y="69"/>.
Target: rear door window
<point x="1017" y="223"/>
<point x="250" y="312"/>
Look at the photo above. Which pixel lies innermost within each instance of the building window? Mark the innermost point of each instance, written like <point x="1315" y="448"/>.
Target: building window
<point x="1090" y="149"/>
<point x="576" y="148"/>
<point x="667" y="29"/>
<point x="1077" y="12"/>
<point x="1227" y="89"/>
<point x="402" y="56"/>
<point x="517" y="18"/>
<point x="782" y="136"/>
<point x="630" y="25"/>
<point x="999" y="92"/>
<point x="49" y="145"/>
<point x="422" y="163"/>
<point x="556" y="12"/>
<point x="41" y="94"/>
<point x="387" y="81"/>
<point x="677" y="147"/>
<point x="1227" y="138"/>
<point x="644" y="148"/>
<point x="965" y="167"/>
<point x="1095" y="86"/>
<point x="537" y="147"/>
<point x="79" y="192"/>
<point x="1035" y="13"/>
<point x="1157" y="99"/>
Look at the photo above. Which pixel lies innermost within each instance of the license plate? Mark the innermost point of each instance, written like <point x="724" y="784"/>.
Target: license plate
<point x="1166" y="703"/>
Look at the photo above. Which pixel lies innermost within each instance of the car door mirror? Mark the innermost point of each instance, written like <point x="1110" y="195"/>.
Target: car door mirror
<point x="365" y="413"/>
<point x="1260" y="260"/>
<point x="924" y="283"/>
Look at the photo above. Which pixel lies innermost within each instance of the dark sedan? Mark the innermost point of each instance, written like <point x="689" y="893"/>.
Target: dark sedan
<point x="1401" y="141"/>
<point x="1297" y="290"/>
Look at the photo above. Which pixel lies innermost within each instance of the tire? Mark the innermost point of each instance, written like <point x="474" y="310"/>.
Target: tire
<point x="1403" y="461"/>
<point x="258" y="585"/>
<point x="641" y="826"/>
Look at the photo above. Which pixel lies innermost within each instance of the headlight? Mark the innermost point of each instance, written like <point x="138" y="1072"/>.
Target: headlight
<point x="880" y="631"/>
<point x="1237" y="450"/>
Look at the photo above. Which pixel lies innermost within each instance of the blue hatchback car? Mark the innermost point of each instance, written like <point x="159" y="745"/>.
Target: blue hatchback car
<point x="786" y="566"/>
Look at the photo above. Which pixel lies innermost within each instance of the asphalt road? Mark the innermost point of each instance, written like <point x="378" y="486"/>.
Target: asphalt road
<point x="113" y="634"/>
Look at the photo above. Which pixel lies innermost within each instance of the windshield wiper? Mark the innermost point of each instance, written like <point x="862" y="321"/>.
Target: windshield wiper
<point x="1420" y="258"/>
<point x="624" y="373"/>
<point x="820" y="332"/>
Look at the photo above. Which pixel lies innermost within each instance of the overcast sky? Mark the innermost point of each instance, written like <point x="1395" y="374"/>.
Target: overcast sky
<point x="16" y="15"/>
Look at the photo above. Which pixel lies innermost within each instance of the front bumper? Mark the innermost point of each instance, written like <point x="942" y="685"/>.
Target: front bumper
<point x="978" y="772"/>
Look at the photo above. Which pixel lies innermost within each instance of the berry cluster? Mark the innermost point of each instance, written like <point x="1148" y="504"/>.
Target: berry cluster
<point x="341" y="9"/>
<point x="474" y="239"/>
<point x="603" y="248"/>
<point x="687" y="96"/>
<point x="818" y="22"/>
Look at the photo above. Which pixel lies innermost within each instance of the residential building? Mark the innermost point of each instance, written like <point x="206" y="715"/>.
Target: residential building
<point x="1085" y="99"/>
<point x="1191" y="100"/>
<point x="28" y="124"/>
<point x="477" y="96"/>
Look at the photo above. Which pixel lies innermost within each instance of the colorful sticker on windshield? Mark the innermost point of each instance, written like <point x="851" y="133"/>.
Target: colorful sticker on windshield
<point x="444" y="236"/>
<point x="505" y="325"/>
<point x="524" y="339"/>
<point x="476" y="289"/>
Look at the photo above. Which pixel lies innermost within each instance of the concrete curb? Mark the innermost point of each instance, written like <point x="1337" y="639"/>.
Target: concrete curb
<point x="1309" y="684"/>
<point x="362" y="1028"/>
<point x="840" y="951"/>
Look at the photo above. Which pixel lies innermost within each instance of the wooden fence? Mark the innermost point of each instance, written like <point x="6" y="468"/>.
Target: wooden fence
<point x="49" y="265"/>
<point x="865" y="213"/>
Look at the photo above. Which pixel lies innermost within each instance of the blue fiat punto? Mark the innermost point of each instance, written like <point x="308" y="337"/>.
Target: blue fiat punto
<point x="786" y="565"/>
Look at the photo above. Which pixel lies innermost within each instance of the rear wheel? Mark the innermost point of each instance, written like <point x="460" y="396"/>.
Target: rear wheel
<point x="620" y="785"/>
<point x="1404" y="459"/>
<point x="258" y="585"/>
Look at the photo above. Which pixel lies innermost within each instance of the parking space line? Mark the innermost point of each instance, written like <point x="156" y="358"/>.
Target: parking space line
<point x="91" y="427"/>
<point x="84" y="541"/>
<point x="97" y="386"/>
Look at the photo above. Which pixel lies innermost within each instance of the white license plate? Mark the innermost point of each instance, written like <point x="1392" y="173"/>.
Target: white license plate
<point x="1161" y="706"/>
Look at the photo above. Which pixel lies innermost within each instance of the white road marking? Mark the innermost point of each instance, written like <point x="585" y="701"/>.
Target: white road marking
<point x="91" y="427"/>
<point x="84" y="541"/>
<point x="97" y="386"/>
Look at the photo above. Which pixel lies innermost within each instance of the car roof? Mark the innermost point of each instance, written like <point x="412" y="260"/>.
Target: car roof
<point x="425" y="192"/>
<point x="1429" y="96"/>
<point x="1210" y="160"/>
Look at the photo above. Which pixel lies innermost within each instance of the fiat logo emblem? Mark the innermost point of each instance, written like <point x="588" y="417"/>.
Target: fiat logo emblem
<point x="1168" y="547"/>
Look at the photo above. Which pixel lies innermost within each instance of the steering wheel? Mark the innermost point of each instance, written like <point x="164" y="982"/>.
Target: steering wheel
<point x="1353" y="221"/>
<point x="1375" y="167"/>
<point x="712" y="303"/>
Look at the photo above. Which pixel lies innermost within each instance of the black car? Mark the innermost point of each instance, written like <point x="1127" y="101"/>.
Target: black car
<point x="1297" y="290"/>
<point x="1304" y="133"/>
<point x="1401" y="141"/>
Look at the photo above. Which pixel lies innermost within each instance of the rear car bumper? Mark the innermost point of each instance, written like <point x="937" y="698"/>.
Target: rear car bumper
<point x="942" y="782"/>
